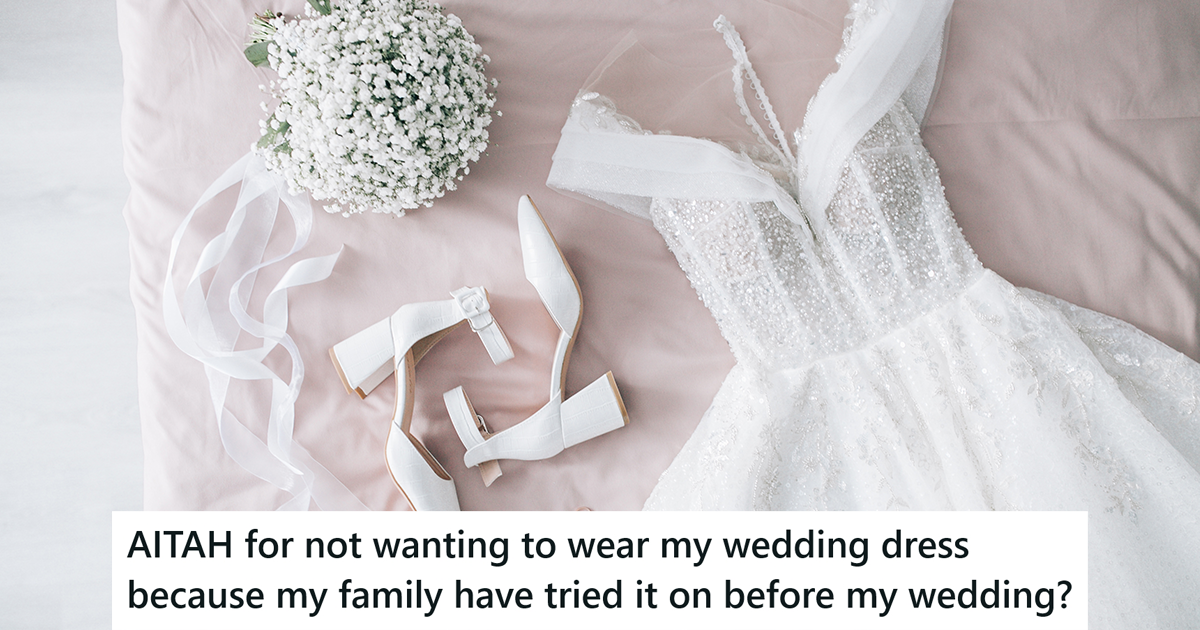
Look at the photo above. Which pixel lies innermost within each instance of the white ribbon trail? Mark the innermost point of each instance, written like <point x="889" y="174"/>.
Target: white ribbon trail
<point x="206" y="327"/>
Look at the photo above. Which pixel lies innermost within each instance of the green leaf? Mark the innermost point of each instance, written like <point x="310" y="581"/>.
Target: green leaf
<point x="257" y="53"/>
<point x="273" y="137"/>
<point x="322" y="6"/>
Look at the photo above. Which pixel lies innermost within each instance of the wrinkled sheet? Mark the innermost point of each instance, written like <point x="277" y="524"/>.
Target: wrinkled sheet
<point x="1067" y="134"/>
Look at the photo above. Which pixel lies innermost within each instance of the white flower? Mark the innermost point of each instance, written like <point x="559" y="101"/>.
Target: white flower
<point x="383" y="104"/>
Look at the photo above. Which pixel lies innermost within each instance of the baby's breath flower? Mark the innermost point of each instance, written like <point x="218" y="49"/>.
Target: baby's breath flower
<point x="383" y="104"/>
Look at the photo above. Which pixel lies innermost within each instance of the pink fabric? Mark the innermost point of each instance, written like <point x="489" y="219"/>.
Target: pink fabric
<point x="1066" y="134"/>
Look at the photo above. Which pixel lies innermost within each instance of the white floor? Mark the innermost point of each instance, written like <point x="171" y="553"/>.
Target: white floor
<point x="70" y="447"/>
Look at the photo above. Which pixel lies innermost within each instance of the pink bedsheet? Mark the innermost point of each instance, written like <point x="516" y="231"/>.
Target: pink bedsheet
<point x="1067" y="134"/>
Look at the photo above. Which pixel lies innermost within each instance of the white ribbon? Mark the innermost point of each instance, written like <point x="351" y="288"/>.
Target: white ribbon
<point x="206" y="327"/>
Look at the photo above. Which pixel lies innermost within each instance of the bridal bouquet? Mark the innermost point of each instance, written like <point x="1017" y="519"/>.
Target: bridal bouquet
<point x="382" y="103"/>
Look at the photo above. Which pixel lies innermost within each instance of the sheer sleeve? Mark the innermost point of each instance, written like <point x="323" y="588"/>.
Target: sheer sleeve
<point x="891" y="52"/>
<point x="605" y="156"/>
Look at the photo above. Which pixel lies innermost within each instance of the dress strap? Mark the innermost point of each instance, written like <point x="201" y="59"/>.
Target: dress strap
<point x="742" y="69"/>
<point x="886" y="46"/>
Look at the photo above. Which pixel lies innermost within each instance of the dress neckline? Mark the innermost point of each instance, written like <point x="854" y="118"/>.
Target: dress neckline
<point x="886" y="43"/>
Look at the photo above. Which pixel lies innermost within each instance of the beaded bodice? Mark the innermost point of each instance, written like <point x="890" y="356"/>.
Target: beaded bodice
<point x="785" y="294"/>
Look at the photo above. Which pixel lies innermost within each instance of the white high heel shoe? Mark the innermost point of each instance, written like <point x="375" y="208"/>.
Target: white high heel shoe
<point x="410" y="333"/>
<point x="593" y="411"/>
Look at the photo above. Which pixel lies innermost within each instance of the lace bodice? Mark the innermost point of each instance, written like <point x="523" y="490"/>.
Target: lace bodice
<point x="785" y="295"/>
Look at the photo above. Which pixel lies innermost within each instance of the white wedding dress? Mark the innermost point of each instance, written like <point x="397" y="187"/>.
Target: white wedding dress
<point x="879" y="365"/>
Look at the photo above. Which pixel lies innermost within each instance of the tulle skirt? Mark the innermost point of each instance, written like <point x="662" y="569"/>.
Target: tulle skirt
<point x="1002" y="399"/>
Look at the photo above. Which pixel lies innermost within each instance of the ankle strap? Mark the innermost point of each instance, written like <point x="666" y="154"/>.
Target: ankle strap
<point x="471" y="429"/>
<point x="476" y="309"/>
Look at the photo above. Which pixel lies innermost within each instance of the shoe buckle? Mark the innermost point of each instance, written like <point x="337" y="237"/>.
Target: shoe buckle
<point x="481" y="424"/>
<point x="475" y="308"/>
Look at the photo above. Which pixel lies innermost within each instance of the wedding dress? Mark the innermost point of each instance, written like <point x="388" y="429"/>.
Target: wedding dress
<point x="879" y="365"/>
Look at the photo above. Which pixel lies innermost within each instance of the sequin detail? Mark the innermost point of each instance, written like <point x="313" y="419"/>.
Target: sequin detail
<point x="892" y="252"/>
